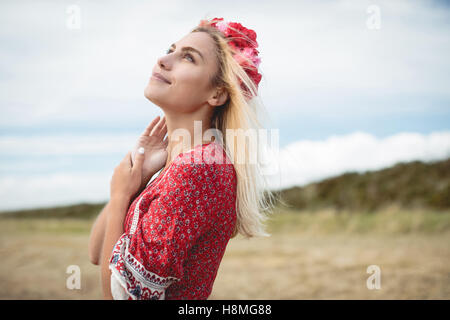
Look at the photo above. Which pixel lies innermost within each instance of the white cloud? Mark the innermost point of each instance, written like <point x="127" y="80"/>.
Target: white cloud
<point x="308" y="49"/>
<point x="53" y="190"/>
<point x="307" y="161"/>
<point x="67" y="144"/>
<point x="317" y="57"/>
<point x="300" y="163"/>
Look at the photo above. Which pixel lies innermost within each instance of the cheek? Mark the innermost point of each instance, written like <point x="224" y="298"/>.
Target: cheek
<point x="193" y="81"/>
<point x="190" y="88"/>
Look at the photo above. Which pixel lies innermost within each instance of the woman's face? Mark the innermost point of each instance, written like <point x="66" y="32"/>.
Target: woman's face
<point x="189" y="73"/>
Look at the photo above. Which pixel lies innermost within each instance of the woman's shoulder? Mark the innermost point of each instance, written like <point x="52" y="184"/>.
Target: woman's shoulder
<point x="208" y="159"/>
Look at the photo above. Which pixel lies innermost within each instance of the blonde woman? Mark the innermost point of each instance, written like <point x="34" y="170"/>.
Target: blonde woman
<point x="165" y="239"/>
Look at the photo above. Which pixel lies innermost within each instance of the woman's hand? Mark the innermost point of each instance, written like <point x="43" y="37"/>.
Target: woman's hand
<point x="155" y="149"/>
<point x="127" y="178"/>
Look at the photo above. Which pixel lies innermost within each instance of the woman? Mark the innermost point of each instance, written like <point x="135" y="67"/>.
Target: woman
<point x="169" y="242"/>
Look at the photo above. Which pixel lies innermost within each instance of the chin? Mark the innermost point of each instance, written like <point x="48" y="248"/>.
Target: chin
<point x="152" y="94"/>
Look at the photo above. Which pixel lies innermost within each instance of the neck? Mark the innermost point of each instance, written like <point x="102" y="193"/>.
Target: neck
<point x="185" y="131"/>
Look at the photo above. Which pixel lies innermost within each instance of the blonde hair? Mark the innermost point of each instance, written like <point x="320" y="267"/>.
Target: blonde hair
<point x="254" y="200"/>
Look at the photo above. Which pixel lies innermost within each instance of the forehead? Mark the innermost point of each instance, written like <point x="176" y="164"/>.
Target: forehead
<point x="200" y="41"/>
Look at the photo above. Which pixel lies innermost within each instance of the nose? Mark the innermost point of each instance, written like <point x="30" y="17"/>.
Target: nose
<point x="163" y="62"/>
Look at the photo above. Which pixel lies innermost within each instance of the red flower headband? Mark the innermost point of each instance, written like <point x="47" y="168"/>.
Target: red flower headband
<point x="243" y="42"/>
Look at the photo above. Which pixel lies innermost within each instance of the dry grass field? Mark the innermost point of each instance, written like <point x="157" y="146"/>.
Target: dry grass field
<point x="320" y="255"/>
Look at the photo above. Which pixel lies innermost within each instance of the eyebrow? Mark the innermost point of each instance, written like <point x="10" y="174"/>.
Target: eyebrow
<point x="189" y="49"/>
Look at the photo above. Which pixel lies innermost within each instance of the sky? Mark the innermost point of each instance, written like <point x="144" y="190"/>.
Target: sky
<point x="348" y="85"/>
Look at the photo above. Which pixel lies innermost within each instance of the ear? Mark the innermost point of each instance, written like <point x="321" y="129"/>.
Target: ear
<point x="219" y="97"/>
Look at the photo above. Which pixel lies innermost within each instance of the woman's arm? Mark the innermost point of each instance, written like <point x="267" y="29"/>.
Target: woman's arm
<point x="114" y="229"/>
<point x="97" y="236"/>
<point x="98" y="230"/>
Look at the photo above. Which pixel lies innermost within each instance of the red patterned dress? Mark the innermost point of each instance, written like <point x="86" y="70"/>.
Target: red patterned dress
<point x="177" y="229"/>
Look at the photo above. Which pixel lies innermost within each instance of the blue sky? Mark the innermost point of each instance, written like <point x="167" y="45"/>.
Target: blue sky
<point x="72" y="100"/>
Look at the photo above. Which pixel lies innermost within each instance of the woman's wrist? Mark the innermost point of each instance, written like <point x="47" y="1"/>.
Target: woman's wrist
<point x="119" y="202"/>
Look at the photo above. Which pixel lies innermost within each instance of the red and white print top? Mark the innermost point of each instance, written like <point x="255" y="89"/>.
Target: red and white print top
<point x="176" y="231"/>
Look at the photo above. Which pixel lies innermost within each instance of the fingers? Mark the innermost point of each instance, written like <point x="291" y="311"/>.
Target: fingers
<point x="139" y="160"/>
<point x="159" y="128"/>
<point x="156" y="128"/>
<point x="127" y="160"/>
<point x="163" y="131"/>
<point x="150" y="126"/>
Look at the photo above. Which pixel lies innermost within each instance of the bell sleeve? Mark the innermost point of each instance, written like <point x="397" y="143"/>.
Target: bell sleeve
<point x="147" y="260"/>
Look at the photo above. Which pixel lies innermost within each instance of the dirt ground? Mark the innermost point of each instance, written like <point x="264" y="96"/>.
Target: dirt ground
<point x="288" y="265"/>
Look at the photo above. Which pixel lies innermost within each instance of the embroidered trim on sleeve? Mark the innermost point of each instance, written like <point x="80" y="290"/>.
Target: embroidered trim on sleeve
<point x="137" y="281"/>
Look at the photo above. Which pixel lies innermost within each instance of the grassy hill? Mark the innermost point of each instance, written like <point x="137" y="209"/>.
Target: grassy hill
<point x="408" y="185"/>
<point x="79" y="211"/>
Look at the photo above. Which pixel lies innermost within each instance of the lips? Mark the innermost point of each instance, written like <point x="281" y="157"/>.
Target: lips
<point x="160" y="77"/>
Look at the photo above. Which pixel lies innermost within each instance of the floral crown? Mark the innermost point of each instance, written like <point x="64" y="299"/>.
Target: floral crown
<point x="243" y="42"/>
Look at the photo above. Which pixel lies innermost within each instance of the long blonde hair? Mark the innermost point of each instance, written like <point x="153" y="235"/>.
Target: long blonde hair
<point x="240" y="113"/>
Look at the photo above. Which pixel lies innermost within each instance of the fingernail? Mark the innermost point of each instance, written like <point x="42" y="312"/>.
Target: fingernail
<point x="141" y="150"/>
